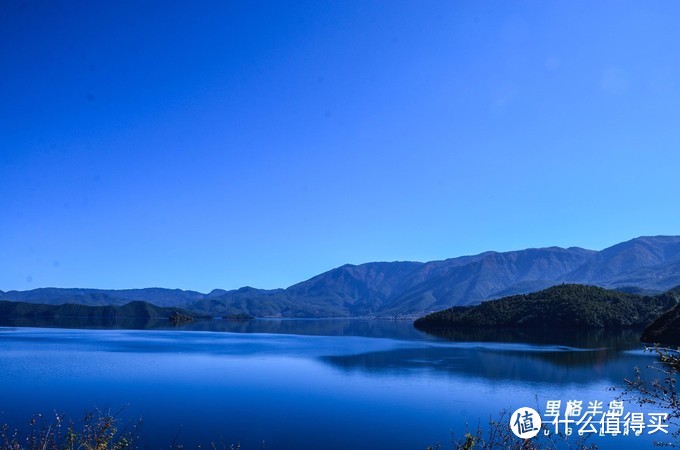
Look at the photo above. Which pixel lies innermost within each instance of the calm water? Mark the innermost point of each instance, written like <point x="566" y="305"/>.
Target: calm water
<point x="306" y="384"/>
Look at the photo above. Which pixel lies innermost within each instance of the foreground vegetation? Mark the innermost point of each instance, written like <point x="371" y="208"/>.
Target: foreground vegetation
<point x="497" y="435"/>
<point x="97" y="431"/>
<point x="100" y="431"/>
<point x="659" y="392"/>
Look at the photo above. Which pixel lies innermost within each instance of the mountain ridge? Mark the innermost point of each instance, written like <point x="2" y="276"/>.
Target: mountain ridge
<point x="410" y="288"/>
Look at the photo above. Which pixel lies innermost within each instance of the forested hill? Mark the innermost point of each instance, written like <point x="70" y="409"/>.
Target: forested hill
<point x="135" y="309"/>
<point x="665" y="329"/>
<point x="563" y="306"/>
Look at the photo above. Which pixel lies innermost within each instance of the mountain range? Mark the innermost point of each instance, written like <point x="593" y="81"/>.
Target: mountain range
<point x="645" y="265"/>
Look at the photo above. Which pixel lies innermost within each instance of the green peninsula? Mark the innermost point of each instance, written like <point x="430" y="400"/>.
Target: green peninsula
<point x="573" y="306"/>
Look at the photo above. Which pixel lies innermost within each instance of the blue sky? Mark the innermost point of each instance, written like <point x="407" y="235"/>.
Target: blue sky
<point x="223" y="144"/>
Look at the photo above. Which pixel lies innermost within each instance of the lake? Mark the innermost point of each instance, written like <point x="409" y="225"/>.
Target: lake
<point x="307" y="384"/>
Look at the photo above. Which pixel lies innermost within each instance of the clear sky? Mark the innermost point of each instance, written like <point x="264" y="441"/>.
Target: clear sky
<point x="203" y="145"/>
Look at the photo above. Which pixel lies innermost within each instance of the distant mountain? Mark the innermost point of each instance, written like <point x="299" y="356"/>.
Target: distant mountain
<point x="571" y="306"/>
<point x="389" y="289"/>
<point x="410" y="289"/>
<point x="487" y="275"/>
<point x="103" y="297"/>
<point x="646" y="262"/>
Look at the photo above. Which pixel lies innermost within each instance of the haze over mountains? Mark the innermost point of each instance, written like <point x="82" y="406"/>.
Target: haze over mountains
<point x="409" y="289"/>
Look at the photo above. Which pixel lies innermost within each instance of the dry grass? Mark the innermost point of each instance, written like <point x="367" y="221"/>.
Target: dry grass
<point x="98" y="430"/>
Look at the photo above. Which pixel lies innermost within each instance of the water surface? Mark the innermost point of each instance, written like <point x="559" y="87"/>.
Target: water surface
<point x="307" y="384"/>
